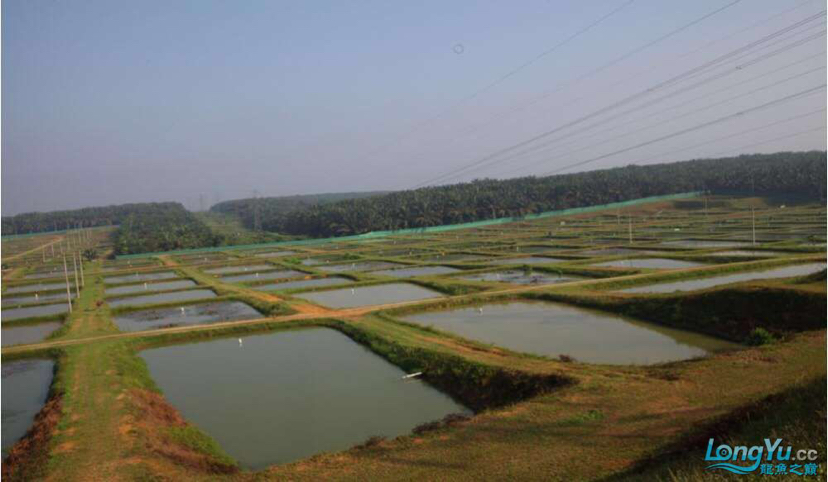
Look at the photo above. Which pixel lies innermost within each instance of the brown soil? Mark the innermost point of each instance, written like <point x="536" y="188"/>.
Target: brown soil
<point x="29" y="453"/>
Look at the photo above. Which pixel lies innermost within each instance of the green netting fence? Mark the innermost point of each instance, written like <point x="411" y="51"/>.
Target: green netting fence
<point x="430" y="229"/>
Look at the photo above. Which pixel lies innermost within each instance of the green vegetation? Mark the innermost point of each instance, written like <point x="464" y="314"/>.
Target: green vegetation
<point x="71" y="219"/>
<point x="167" y="227"/>
<point x="269" y="208"/>
<point x="801" y="173"/>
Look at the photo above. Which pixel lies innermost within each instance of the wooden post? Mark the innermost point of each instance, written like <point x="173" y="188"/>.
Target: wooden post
<point x="75" y="267"/>
<point x="68" y="292"/>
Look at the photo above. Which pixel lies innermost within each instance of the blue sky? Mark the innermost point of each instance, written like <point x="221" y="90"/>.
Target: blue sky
<point x="106" y="102"/>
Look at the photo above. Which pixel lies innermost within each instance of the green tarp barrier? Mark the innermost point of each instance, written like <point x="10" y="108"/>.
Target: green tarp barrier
<point x="429" y="229"/>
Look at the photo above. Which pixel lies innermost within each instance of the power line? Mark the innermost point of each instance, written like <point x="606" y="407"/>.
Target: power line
<point x="691" y="129"/>
<point x="500" y="79"/>
<point x="768" y="141"/>
<point x="730" y="136"/>
<point x="695" y="111"/>
<point x="631" y="98"/>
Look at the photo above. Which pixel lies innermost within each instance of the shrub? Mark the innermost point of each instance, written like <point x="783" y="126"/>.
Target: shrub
<point x="759" y="336"/>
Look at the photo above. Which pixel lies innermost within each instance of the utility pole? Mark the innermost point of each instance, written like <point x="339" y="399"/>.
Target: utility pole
<point x="80" y="262"/>
<point x="75" y="268"/>
<point x="753" y="224"/>
<point x="630" y="225"/>
<point x="66" y="277"/>
<point x="257" y="220"/>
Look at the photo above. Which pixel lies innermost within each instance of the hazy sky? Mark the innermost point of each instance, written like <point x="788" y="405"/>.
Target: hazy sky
<point x="114" y="101"/>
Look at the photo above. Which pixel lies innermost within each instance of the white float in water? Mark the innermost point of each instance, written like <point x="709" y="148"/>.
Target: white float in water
<point x="412" y="375"/>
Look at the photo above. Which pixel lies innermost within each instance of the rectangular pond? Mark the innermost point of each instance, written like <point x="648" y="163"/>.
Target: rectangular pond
<point x="10" y="314"/>
<point x="650" y="263"/>
<point x="30" y="298"/>
<point x="186" y="315"/>
<point x="239" y="268"/>
<point x="521" y="277"/>
<point x="263" y="276"/>
<point x="136" y="277"/>
<point x="25" y="388"/>
<point x="280" y="397"/>
<point x="167" y="285"/>
<point x="162" y="298"/>
<point x="370" y="295"/>
<point x="553" y="329"/>
<point x="529" y="260"/>
<point x="37" y="287"/>
<point x="304" y="283"/>
<point x="700" y="283"/>
<point x="360" y="266"/>
<point x="273" y="254"/>
<point x="416" y="271"/>
<point x="702" y="243"/>
<point x="19" y="334"/>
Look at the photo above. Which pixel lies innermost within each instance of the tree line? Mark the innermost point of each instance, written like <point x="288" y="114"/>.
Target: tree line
<point x="800" y="173"/>
<point x="168" y="227"/>
<point x="38" y="222"/>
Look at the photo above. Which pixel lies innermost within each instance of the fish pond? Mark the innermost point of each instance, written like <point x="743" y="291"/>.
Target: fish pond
<point x="161" y="298"/>
<point x="25" y="388"/>
<point x="19" y="334"/>
<point x="521" y="277"/>
<point x="416" y="271"/>
<point x="700" y="283"/>
<point x="305" y="283"/>
<point x="138" y="288"/>
<point x="553" y="329"/>
<point x="33" y="311"/>
<point x="198" y="314"/>
<point x="370" y="295"/>
<point x="650" y="263"/>
<point x="280" y="397"/>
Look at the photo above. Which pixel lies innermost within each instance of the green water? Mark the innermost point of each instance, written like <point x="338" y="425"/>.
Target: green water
<point x="370" y="295"/>
<point x="553" y="329"/>
<point x="25" y="388"/>
<point x="697" y="284"/>
<point x="281" y="397"/>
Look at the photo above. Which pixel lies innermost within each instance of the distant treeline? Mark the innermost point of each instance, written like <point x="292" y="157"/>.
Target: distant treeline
<point x="275" y="207"/>
<point x="167" y="227"/>
<point x="71" y="219"/>
<point x="801" y="173"/>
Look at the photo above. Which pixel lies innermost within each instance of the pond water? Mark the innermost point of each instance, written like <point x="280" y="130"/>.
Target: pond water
<point x="745" y="252"/>
<point x="615" y="252"/>
<point x="359" y="266"/>
<point x="186" y="315"/>
<point x="280" y="397"/>
<point x="697" y="284"/>
<point x="553" y="329"/>
<point x="49" y="274"/>
<point x="529" y="260"/>
<point x="416" y="271"/>
<point x="135" y="277"/>
<point x="305" y="283"/>
<point x="274" y="254"/>
<point x="15" y="335"/>
<point x="239" y="268"/>
<point x="169" y="285"/>
<point x="447" y="258"/>
<point x="263" y="275"/>
<point x="370" y="295"/>
<point x="25" y="388"/>
<point x="9" y="301"/>
<point x="32" y="311"/>
<point x="37" y="287"/>
<point x="161" y="298"/>
<point x="653" y="263"/>
<point x="699" y="243"/>
<point x="521" y="277"/>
